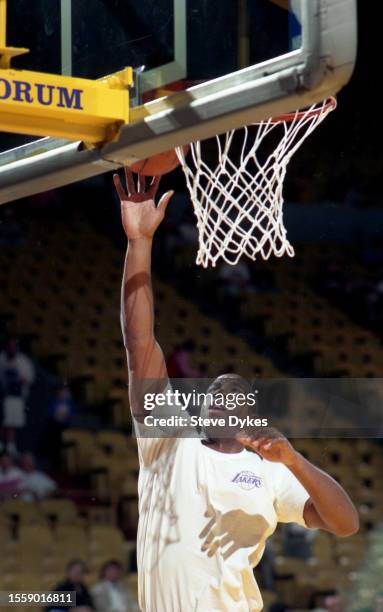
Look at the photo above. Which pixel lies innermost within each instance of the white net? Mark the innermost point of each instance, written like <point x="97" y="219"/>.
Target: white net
<point x="237" y="188"/>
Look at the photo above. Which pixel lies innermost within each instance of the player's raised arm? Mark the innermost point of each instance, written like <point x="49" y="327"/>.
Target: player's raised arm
<point x="140" y="219"/>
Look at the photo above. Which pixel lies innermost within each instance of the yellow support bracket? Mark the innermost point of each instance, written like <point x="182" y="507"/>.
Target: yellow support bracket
<point x="7" y="53"/>
<point x="40" y="104"/>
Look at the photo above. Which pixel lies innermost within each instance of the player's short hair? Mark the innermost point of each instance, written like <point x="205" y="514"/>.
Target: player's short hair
<point x="248" y="386"/>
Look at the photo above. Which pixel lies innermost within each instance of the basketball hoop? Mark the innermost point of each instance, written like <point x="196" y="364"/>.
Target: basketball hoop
<point x="237" y="195"/>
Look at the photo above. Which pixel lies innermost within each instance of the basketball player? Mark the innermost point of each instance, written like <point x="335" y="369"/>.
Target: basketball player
<point x="207" y="506"/>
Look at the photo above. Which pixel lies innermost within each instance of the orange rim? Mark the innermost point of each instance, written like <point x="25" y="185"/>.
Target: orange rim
<point x="331" y="104"/>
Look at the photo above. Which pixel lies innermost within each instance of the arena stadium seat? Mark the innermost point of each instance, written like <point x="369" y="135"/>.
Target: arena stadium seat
<point x="22" y="512"/>
<point x="60" y="511"/>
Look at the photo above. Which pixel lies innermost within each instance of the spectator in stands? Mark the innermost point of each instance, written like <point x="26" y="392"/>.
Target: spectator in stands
<point x="17" y="374"/>
<point x="332" y="602"/>
<point x="326" y="601"/>
<point x="111" y="593"/>
<point x="178" y="362"/>
<point x="60" y="415"/>
<point x="10" y="477"/>
<point x="62" y="408"/>
<point x="35" y="484"/>
<point x="74" y="581"/>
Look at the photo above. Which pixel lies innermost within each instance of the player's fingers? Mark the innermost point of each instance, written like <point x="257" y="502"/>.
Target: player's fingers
<point x="247" y="438"/>
<point x="244" y="439"/>
<point x="130" y="181"/>
<point x="254" y="444"/>
<point x="266" y="444"/>
<point x="266" y="440"/>
<point x="154" y="186"/>
<point x="119" y="188"/>
<point x="262" y="432"/>
<point x="164" y="201"/>
<point x="271" y="432"/>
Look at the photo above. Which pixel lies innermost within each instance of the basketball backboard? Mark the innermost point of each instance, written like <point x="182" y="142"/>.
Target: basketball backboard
<point x="214" y="65"/>
<point x="174" y="40"/>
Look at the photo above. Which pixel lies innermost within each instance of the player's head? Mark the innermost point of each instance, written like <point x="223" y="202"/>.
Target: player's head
<point x="230" y="383"/>
<point x="229" y="394"/>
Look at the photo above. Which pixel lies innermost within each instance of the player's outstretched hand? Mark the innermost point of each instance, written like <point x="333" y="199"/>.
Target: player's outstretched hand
<point x="140" y="215"/>
<point x="270" y="444"/>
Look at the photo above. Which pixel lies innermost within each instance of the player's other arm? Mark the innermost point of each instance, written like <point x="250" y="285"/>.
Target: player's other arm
<point x="140" y="219"/>
<point x="329" y="507"/>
